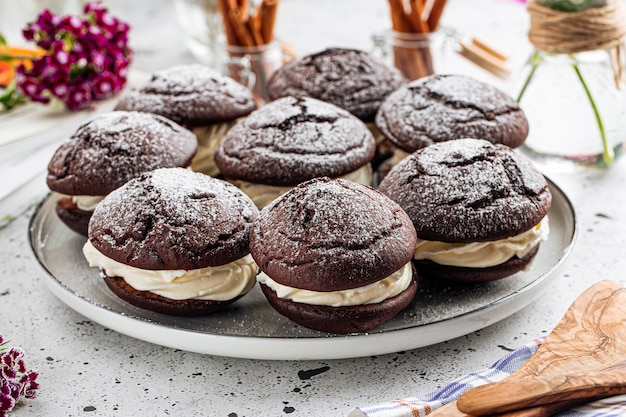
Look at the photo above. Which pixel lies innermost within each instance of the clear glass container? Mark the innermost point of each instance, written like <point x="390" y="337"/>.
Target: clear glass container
<point x="200" y="22"/>
<point x="575" y="111"/>
<point x="415" y="54"/>
<point x="253" y="66"/>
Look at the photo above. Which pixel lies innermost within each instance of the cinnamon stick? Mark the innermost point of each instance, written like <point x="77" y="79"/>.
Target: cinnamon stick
<point x="267" y="11"/>
<point x="435" y="14"/>
<point x="243" y="28"/>
<point x="243" y="6"/>
<point x="241" y="31"/>
<point x="411" y="52"/>
<point x="254" y="27"/>
<point x="399" y="20"/>
<point x="416" y="14"/>
<point x="231" y="38"/>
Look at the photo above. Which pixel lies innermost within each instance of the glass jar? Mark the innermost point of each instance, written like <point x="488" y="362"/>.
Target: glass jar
<point x="575" y="111"/>
<point x="253" y="66"/>
<point x="439" y="52"/>
<point x="415" y="54"/>
<point x="200" y="22"/>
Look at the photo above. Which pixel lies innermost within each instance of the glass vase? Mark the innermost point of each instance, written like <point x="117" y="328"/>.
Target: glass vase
<point x="576" y="113"/>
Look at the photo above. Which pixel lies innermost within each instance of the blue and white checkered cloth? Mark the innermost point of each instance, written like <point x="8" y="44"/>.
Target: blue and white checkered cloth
<point x="424" y="405"/>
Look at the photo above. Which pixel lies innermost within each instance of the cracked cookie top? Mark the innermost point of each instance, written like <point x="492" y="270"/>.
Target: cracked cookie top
<point x="468" y="190"/>
<point x="348" y="78"/>
<point x="294" y="139"/>
<point x="439" y="108"/>
<point x="173" y="218"/>
<point x="192" y="95"/>
<point x="115" y="147"/>
<point x="328" y="235"/>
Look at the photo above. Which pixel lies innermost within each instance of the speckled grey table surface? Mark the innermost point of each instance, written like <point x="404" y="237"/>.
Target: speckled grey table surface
<point x="89" y="370"/>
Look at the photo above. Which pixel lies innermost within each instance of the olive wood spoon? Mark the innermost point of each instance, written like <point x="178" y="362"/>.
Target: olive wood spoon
<point x="591" y="336"/>
<point x="531" y="391"/>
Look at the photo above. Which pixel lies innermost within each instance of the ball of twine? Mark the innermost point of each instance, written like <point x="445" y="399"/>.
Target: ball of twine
<point x="596" y="28"/>
<point x="558" y="32"/>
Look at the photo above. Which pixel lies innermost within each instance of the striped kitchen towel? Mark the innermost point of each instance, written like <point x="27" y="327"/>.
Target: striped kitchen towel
<point x="424" y="405"/>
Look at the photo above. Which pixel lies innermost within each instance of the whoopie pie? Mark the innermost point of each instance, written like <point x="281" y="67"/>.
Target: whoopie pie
<point x="175" y="242"/>
<point x="480" y="210"/>
<point x="197" y="97"/>
<point x="445" y="107"/>
<point x="292" y="140"/>
<point x="349" y="78"/>
<point x="335" y="256"/>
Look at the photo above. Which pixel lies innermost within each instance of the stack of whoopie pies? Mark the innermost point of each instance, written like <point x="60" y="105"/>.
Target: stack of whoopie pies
<point x="295" y="207"/>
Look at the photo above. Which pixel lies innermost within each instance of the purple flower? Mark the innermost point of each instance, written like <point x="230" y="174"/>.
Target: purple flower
<point x="31" y="87"/>
<point x="7" y="402"/>
<point x="86" y="58"/>
<point x="105" y="86"/>
<point x="59" y="57"/>
<point x="72" y="25"/>
<point x="78" y="96"/>
<point x="46" y="20"/>
<point x="16" y="381"/>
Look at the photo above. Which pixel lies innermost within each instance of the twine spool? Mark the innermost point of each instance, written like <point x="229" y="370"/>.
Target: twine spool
<point x="558" y="32"/>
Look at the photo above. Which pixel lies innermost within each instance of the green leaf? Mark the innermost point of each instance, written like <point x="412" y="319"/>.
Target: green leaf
<point x="10" y="97"/>
<point x="572" y="5"/>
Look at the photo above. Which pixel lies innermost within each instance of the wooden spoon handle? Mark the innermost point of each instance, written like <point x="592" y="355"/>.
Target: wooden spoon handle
<point x="530" y="391"/>
<point x="546" y="410"/>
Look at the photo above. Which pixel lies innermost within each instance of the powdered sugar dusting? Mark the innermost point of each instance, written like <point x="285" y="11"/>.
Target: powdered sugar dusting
<point x="447" y="107"/>
<point x="114" y="147"/>
<point x="291" y="140"/>
<point x="468" y="190"/>
<point x="173" y="219"/>
<point x="331" y="234"/>
<point x="348" y="78"/>
<point x="192" y="95"/>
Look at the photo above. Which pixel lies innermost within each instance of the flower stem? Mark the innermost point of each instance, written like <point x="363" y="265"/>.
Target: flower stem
<point x="607" y="152"/>
<point x="9" y="57"/>
<point x="535" y="60"/>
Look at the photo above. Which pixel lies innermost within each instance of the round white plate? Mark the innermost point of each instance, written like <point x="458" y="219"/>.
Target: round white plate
<point x="250" y="328"/>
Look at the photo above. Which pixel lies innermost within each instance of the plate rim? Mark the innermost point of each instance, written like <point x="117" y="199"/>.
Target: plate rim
<point x="308" y="348"/>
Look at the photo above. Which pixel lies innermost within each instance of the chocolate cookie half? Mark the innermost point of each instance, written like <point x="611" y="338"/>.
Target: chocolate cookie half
<point x="479" y="209"/>
<point x="335" y="256"/>
<point x="291" y="140"/>
<point x="197" y="97"/>
<point x="348" y="78"/>
<point x="191" y="95"/>
<point x="440" y="108"/>
<point x="108" y="151"/>
<point x="175" y="242"/>
<point x="351" y="79"/>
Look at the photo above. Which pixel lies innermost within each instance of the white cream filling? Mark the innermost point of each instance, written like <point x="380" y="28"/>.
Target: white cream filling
<point x="209" y="140"/>
<point x="87" y="202"/>
<point x="482" y="254"/>
<point x="378" y="135"/>
<point x="263" y="194"/>
<point x="398" y="156"/>
<point x="373" y="293"/>
<point x="216" y="283"/>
